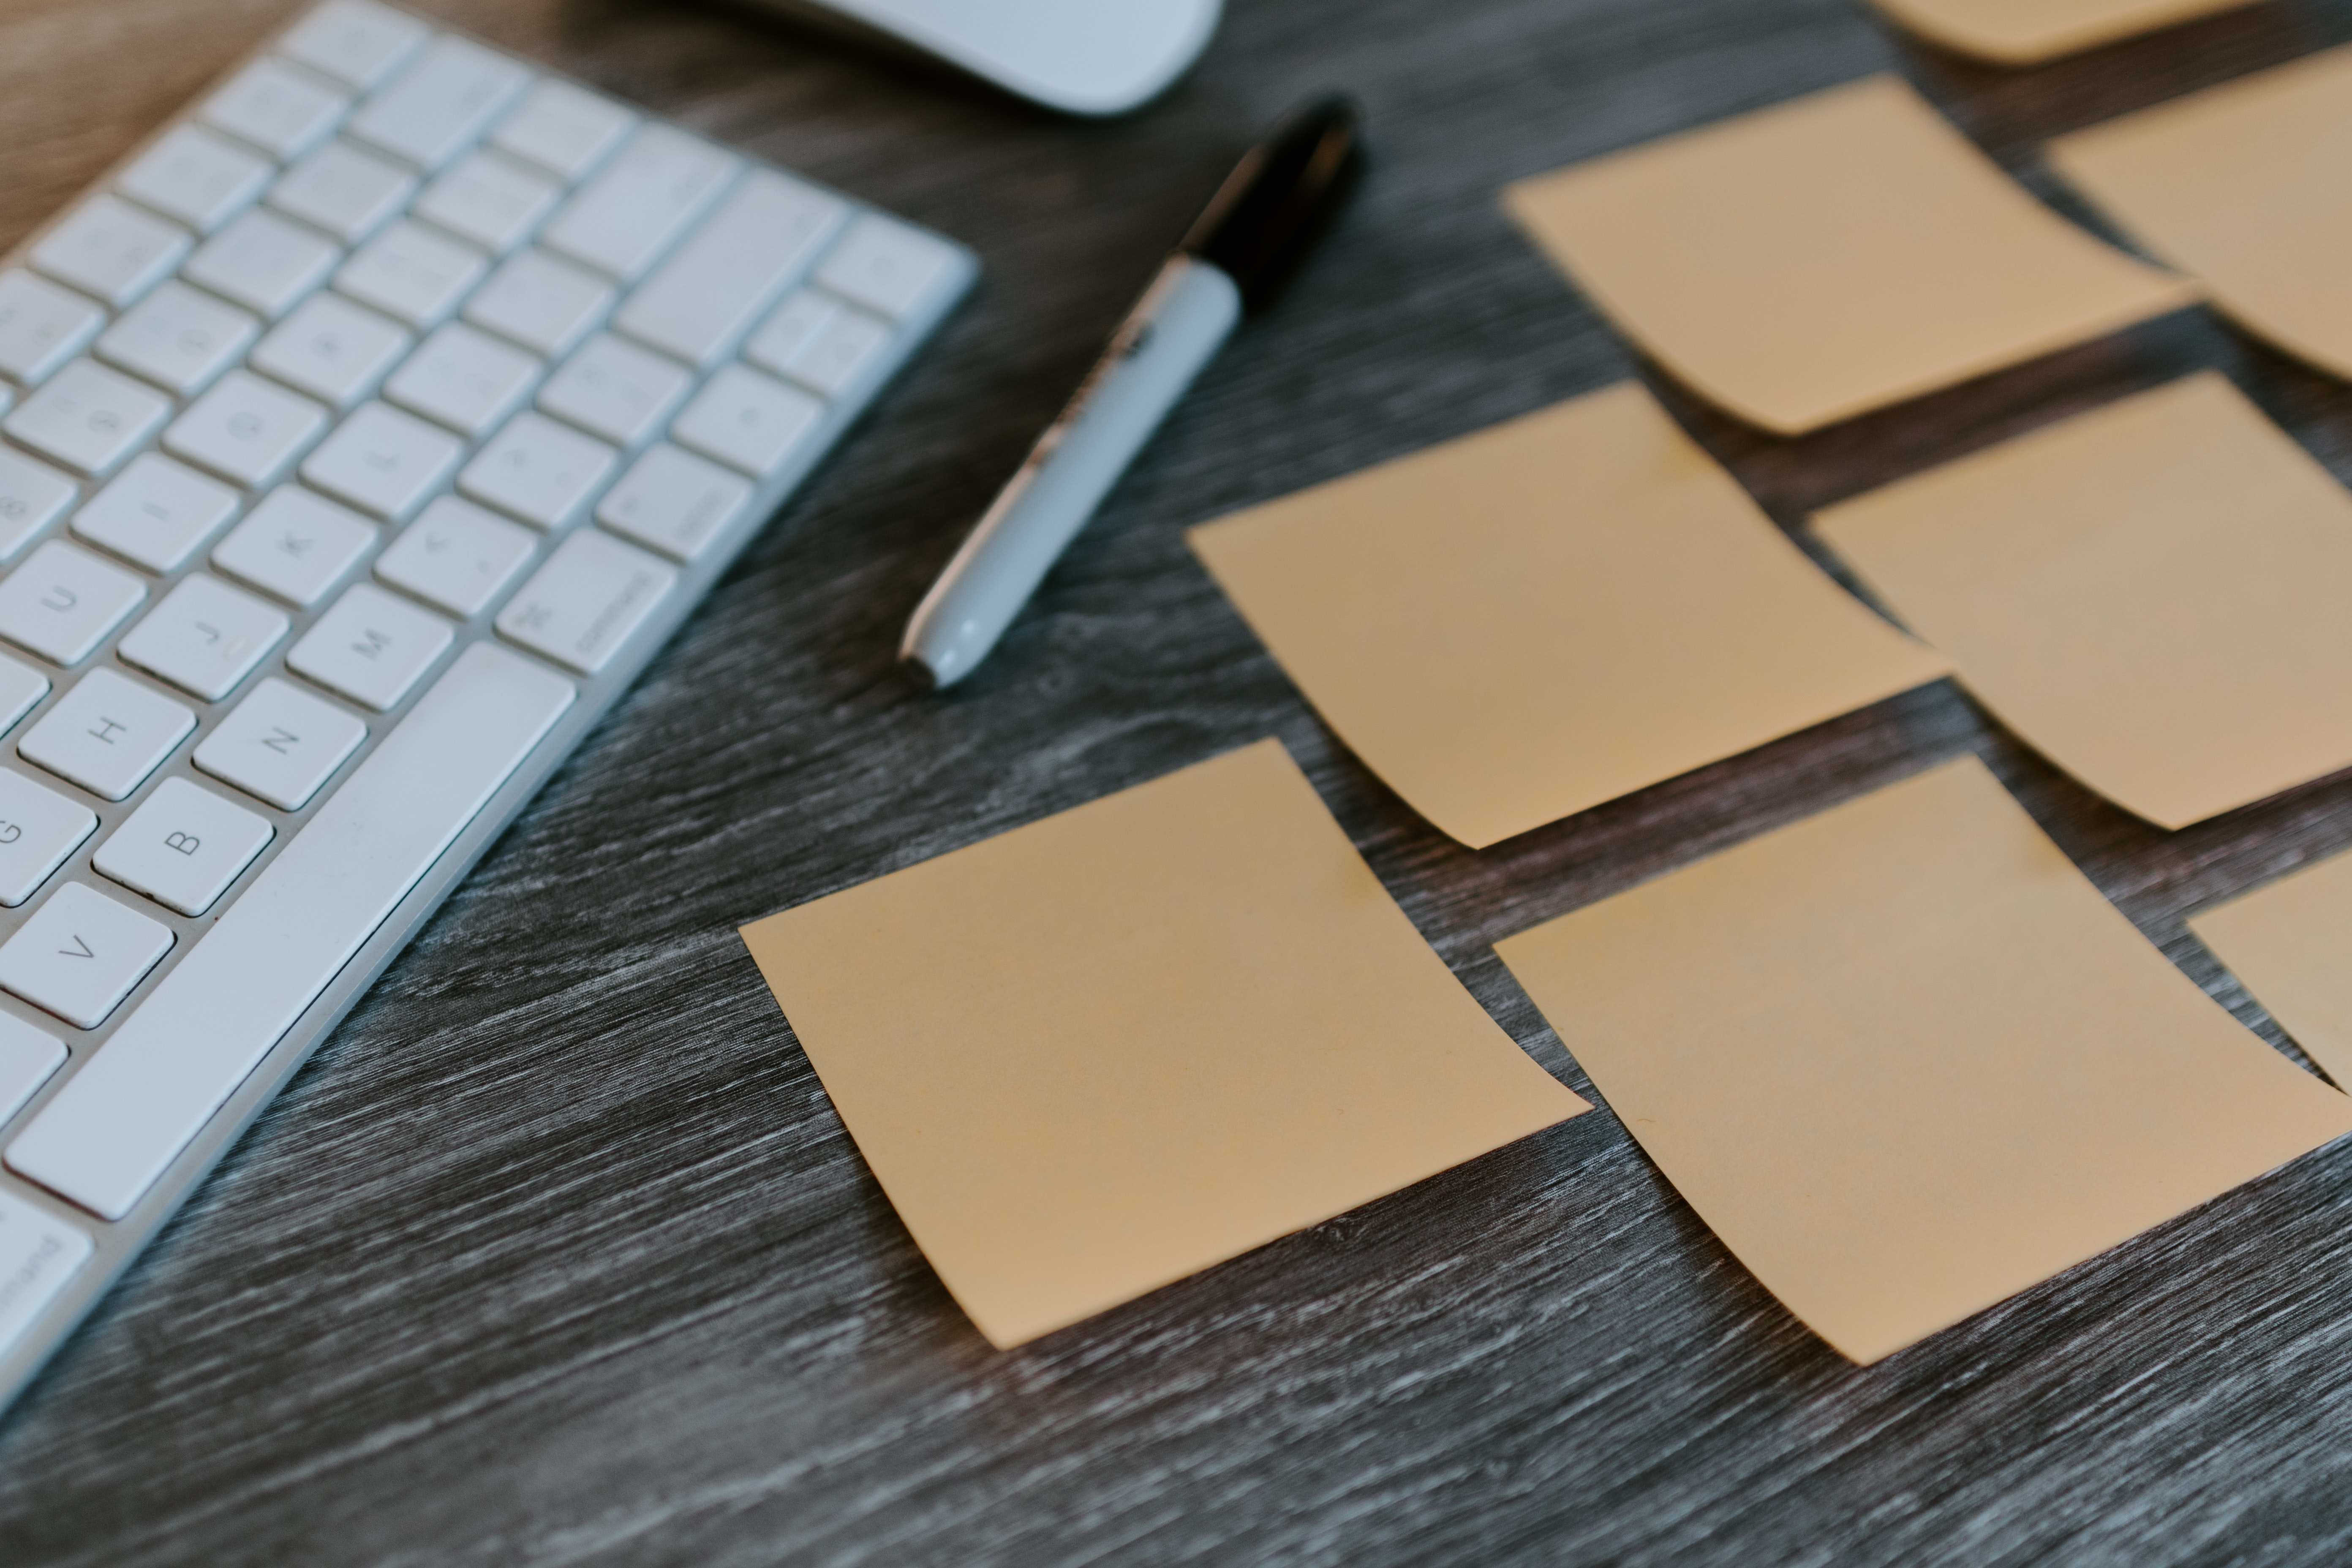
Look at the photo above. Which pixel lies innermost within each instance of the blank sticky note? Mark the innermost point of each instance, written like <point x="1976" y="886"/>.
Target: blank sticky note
<point x="1515" y="626"/>
<point x="2025" y="32"/>
<point x="2243" y="186"/>
<point x="1113" y="1048"/>
<point x="1905" y="1062"/>
<point x="2155" y="595"/>
<point x="2291" y="943"/>
<point x="1829" y="255"/>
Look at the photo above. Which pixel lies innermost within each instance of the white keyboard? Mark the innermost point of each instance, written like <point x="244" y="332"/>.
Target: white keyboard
<point x="361" y="437"/>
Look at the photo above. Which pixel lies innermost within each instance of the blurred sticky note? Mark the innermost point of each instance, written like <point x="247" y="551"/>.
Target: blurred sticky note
<point x="2290" y="942"/>
<point x="2026" y="32"/>
<point x="2242" y="185"/>
<point x="1906" y="1062"/>
<point x="1108" y="1049"/>
<point x="2154" y="595"/>
<point x="1529" y="621"/>
<point x="1829" y="255"/>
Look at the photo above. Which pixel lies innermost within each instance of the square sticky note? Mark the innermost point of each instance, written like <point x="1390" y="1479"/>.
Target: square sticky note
<point x="1905" y="1062"/>
<point x="2243" y="186"/>
<point x="2290" y="941"/>
<point x="1110" y="1049"/>
<point x="2025" y="32"/>
<point x="1515" y="626"/>
<point x="2152" y="594"/>
<point x="1829" y="255"/>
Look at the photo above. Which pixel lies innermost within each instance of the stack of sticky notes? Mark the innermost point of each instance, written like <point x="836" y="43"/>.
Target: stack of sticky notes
<point x="2027" y="32"/>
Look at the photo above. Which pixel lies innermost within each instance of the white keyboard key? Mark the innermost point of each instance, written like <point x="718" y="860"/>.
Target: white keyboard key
<point x="39" y="828"/>
<point x="198" y="177"/>
<point x="21" y="688"/>
<point x="105" y="1138"/>
<point x="262" y="261"/>
<point x="411" y="273"/>
<point x="616" y="390"/>
<point x="279" y="110"/>
<point x="111" y="250"/>
<point x="884" y="265"/>
<point x="32" y="496"/>
<point x="792" y="327"/>
<point x="178" y="338"/>
<point x="383" y="461"/>
<point x="27" y="1058"/>
<point x="156" y="513"/>
<point x="62" y="601"/>
<point x="456" y="556"/>
<point x="332" y="349"/>
<point x="346" y="190"/>
<point x="37" y="1256"/>
<point x="295" y="545"/>
<point x="441" y="103"/>
<point x="41" y="326"/>
<point x="711" y="291"/>
<point x="537" y="470"/>
<point x="464" y="378"/>
<point x="674" y="501"/>
<point x="747" y="420"/>
<point x="204" y="638"/>
<point x="495" y="202"/>
<point x="81" y="954"/>
<point x="107" y="734"/>
<point x="540" y="302"/>
<point x="841" y="354"/>
<point x="280" y="744"/>
<point x="563" y="128"/>
<point x="245" y="429"/>
<point x="371" y="647"/>
<point x="356" y="40"/>
<point x="628" y="214"/>
<point x="183" y="846"/>
<point x="580" y="607"/>
<point x="87" y="417"/>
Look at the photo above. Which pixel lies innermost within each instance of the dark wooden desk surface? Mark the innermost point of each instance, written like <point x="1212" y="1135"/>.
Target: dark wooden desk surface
<point x="557" y="1255"/>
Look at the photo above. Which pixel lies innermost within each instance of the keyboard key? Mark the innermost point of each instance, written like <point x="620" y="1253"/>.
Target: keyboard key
<point x="441" y="103"/>
<point x="563" y="128"/>
<point x="674" y="501"/>
<point x="295" y="545"/>
<point x="347" y="191"/>
<point x="32" y="496"/>
<point x="183" y="846"/>
<point x="204" y="638"/>
<point x="41" y="326"/>
<point x="105" y="1138"/>
<point x="245" y="429"/>
<point x="280" y="744"/>
<point x="456" y="556"/>
<point x="747" y="420"/>
<point x="537" y="470"/>
<point x="711" y="291"/>
<point x="27" y="1058"/>
<point x="792" y="327"/>
<point x="383" y="461"/>
<point x="628" y="214"/>
<point x="371" y="647"/>
<point x="21" y="688"/>
<point x="198" y="176"/>
<point x="87" y="417"/>
<point x="886" y="266"/>
<point x="356" y="40"/>
<point x="332" y="349"/>
<point x="111" y="250"/>
<point x="840" y="355"/>
<point x="37" y="1256"/>
<point x="277" y="109"/>
<point x="178" y="338"/>
<point x="411" y="273"/>
<point x="491" y="200"/>
<point x="540" y="302"/>
<point x="262" y="261"/>
<point x="581" y="606"/>
<point x="62" y="601"/>
<point x="615" y="390"/>
<point x="156" y="513"/>
<point x="107" y="734"/>
<point x="464" y="378"/>
<point x="81" y="954"/>
<point x="39" y="828"/>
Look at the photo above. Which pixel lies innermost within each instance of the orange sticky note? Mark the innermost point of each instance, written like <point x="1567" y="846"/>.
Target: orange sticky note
<point x="2026" y="32"/>
<point x="1829" y="255"/>
<point x="1111" y="1048"/>
<point x="2289" y="943"/>
<point x="1905" y="1062"/>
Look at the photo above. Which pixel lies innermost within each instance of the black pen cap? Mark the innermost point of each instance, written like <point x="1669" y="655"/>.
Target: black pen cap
<point x="1279" y="200"/>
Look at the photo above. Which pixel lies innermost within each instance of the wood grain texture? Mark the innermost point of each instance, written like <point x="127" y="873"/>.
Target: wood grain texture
<point x="556" y="1253"/>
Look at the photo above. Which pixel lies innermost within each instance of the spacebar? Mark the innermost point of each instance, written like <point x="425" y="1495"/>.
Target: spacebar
<point x="149" y="1091"/>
